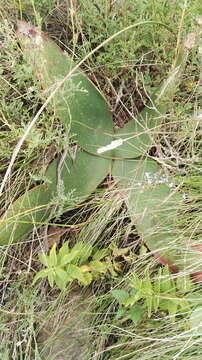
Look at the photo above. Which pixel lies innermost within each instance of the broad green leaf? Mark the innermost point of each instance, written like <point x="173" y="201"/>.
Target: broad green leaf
<point x="120" y="313"/>
<point x="167" y="284"/>
<point x="78" y="103"/>
<point x="86" y="279"/>
<point x="170" y="306"/>
<point x="52" y="258"/>
<point x="84" y="252"/>
<point x="135" y="282"/>
<point x="153" y="206"/>
<point x="136" y="314"/>
<point x="29" y="210"/>
<point x="120" y="295"/>
<point x="41" y="275"/>
<point x="185" y="305"/>
<point x="183" y="283"/>
<point x="100" y="254"/>
<point x="195" y="321"/>
<point x="66" y="259"/>
<point x="51" y="277"/>
<point x="61" y="278"/>
<point x="84" y="174"/>
<point x="98" y="266"/>
<point x="64" y="250"/>
<point x="43" y="258"/>
<point x="33" y="208"/>
<point x="135" y="136"/>
<point x="74" y="273"/>
<point x="133" y="299"/>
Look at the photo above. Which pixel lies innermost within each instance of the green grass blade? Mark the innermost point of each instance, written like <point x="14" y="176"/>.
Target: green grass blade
<point x="138" y="133"/>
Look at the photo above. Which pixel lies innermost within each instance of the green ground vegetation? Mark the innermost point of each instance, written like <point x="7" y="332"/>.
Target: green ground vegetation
<point x="135" y="308"/>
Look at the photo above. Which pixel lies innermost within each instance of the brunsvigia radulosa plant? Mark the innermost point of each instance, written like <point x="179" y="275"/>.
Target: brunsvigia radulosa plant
<point x="152" y="198"/>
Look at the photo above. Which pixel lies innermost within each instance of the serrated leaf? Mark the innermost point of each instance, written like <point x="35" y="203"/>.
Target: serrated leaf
<point x="167" y="283"/>
<point x="170" y="305"/>
<point x="136" y="314"/>
<point x="143" y="250"/>
<point x="147" y="284"/>
<point x="155" y="303"/>
<point x="120" y="295"/>
<point x="119" y="251"/>
<point x="165" y="272"/>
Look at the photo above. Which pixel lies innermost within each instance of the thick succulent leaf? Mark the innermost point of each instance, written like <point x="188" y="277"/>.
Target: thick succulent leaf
<point x="28" y="210"/>
<point x="82" y="175"/>
<point x="136" y="137"/>
<point x="154" y="205"/>
<point x="138" y="134"/>
<point x="78" y="104"/>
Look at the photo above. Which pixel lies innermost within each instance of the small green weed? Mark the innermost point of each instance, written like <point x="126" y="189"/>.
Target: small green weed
<point x="81" y="263"/>
<point x="150" y="296"/>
